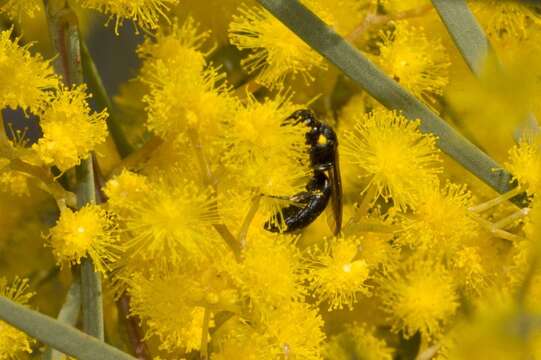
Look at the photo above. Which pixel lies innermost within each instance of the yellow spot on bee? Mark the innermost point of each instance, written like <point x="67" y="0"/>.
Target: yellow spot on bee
<point x="321" y="140"/>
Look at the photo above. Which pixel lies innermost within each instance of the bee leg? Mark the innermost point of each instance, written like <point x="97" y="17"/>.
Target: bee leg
<point x="298" y="198"/>
<point x="314" y="201"/>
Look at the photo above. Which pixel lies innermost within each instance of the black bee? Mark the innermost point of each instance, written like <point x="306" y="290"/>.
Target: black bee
<point x="325" y="183"/>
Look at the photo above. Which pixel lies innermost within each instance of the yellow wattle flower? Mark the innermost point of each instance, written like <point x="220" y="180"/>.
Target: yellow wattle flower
<point x="14" y="9"/>
<point x="266" y="289"/>
<point x="144" y="13"/>
<point x="172" y="222"/>
<point x="70" y="129"/>
<point x="358" y="341"/>
<point x="125" y="188"/>
<point x="414" y="60"/>
<point x="419" y="296"/>
<point x="26" y="80"/>
<point x="337" y="274"/>
<point x="294" y="330"/>
<point x="14" y="344"/>
<point x="14" y="182"/>
<point x="276" y="52"/>
<point x="165" y="302"/>
<point x="181" y="101"/>
<point x="525" y="163"/>
<point x="511" y="18"/>
<point x="441" y="220"/>
<point x="175" y="43"/>
<point x="88" y="232"/>
<point x="393" y="155"/>
<point x="264" y="154"/>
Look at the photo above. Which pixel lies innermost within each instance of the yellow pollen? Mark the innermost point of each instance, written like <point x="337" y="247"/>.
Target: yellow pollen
<point x="346" y="267"/>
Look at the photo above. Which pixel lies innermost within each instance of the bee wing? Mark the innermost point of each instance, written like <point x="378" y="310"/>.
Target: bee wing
<point x="334" y="212"/>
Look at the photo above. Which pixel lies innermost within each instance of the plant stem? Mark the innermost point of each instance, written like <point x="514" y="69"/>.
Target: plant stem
<point x="64" y="30"/>
<point x="61" y="195"/>
<point x="495" y="201"/>
<point x="132" y="322"/>
<point x="205" y="335"/>
<point x="243" y="233"/>
<point x="209" y="180"/>
<point x="103" y="100"/>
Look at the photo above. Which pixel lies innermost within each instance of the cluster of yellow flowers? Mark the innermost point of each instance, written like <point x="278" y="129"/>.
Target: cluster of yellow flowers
<point x="429" y="262"/>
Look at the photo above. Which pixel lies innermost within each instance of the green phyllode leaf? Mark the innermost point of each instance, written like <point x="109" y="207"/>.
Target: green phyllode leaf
<point x="465" y="31"/>
<point x="58" y="335"/>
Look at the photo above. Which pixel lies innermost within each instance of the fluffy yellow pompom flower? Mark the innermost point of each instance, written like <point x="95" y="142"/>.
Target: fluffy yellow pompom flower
<point x="70" y="130"/>
<point x="180" y="100"/>
<point x="172" y="221"/>
<point x="90" y="232"/>
<point x="145" y="13"/>
<point x="14" y="344"/>
<point x="507" y="18"/>
<point x="417" y="62"/>
<point x="185" y="94"/>
<point x="358" y="342"/>
<point x="16" y="8"/>
<point x="178" y="44"/>
<point x="14" y="182"/>
<point x="337" y="274"/>
<point x="391" y="151"/>
<point x="241" y="342"/>
<point x="525" y="163"/>
<point x="258" y="128"/>
<point x="25" y="79"/>
<point x="294" y="331"/>
<point x="268" y="156"/>
<point x="419" y="296"/>
<point x="266" y="289"/>
<point x="125" y="188"/>
<point x="276" y="51"/>
<point x="441" y="219"/>
<point x="169" y="309"/>
<point x="468" y="270"/>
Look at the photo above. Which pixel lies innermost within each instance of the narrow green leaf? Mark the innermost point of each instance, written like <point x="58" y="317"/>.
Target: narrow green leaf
<point x="56" y="334"/>
<point x="68" y="314"/>
<point x="465" y="31"/>
<point x="355" y="65"/>
<point x="91" y="298"/>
